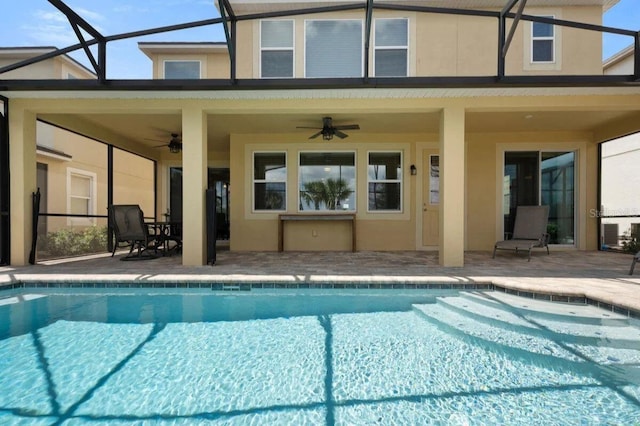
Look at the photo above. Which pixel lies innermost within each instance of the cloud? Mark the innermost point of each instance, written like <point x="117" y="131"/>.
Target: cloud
<point x="52" y="28"/>
<point x="50" y="16"/>
<point x="90" y="16"/>
<point x="129" y="8"/>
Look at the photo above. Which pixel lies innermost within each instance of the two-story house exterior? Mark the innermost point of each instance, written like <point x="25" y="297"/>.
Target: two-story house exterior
<point x="425" y="146"/>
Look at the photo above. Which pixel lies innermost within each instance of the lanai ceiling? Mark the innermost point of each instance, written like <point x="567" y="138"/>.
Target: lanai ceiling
<point x="150" y="130"/>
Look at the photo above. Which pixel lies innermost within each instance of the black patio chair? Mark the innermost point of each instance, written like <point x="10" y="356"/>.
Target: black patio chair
<point x="128" y="225"/>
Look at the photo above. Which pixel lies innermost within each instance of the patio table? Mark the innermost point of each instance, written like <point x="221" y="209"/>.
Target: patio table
<point x="165" y="232"/>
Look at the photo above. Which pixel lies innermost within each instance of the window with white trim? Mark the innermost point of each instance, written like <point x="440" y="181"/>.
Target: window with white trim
<point x="81" y="196"/>
<point x="276" y="48"/>
<point x="333" y="48"/>
<point x="542" y="42"/>
<point x="327" y="181"/>
<point x="182" y="70"/>
<point x="269" y="181"/>
<point x="384" y="175"/>
<point x="391" y="53"/>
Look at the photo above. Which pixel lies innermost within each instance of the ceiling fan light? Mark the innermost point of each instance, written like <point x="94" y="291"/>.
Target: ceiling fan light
<point x="327" y="136"/>
<point x="174" y="149"/>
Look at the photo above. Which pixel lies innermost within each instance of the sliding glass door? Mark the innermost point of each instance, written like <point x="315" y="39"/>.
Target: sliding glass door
<point x="218" y="179"/>
<point x="541" y="178"/>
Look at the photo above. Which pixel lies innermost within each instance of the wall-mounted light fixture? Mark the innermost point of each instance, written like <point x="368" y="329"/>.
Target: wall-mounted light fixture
<point x="413" y="169"/>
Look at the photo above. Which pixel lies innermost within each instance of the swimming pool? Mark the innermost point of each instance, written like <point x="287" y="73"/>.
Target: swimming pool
<point x="312" y="357"/>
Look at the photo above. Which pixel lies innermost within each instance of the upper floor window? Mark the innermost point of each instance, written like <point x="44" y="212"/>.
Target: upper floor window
<point x="81" y="190"/>
<point x="276" y="48"/>
<point x="333" y="48"/>
<point x="391" y="47"/>
<point x="269" y="181"/>
<point x="542" y="42"/>
<point x="327" y="181"/>
<point x="384" y="173"/>
<point x="181" y="69"/>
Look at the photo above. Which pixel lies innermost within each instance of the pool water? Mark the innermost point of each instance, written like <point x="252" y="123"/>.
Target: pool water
<point x="313" y="357"/>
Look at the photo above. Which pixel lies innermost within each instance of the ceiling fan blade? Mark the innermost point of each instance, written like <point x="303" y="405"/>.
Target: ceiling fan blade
<point x="152" y="140"/>
<point x="315" y="135"/>
<point x="339" y="134"/>
<point x="348" y="127"/>
<point x="164" y="145"/>
<point x="305" y="127"/>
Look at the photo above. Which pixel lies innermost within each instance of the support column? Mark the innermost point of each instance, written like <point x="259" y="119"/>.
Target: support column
<point x="194" y="184"/>
<point x="452" y="169"/>
<point x="22" y="167"/>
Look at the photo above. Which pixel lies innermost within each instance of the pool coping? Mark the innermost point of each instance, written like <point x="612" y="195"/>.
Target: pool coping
<point x="447" y="283"/>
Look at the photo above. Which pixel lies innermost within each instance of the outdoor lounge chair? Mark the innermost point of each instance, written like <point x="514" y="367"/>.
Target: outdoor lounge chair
<point x="636" y="257"/>
<point x="529" y="230"/>
<point x="128" y="225"/>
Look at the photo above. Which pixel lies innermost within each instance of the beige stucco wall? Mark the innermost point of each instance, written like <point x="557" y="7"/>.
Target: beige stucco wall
<point x="36" y="71"/>
<point x="451" y="45"/>
<point x="212" y="64"/>
<point x="625" y="67"/>
<point x="133" y="176"/>
<point x="375" y="230"/>
<point x="483" y="170"/>
<point x="133" y="181"/>
<point x="87" y="156"/>
<point x="622" y="63"/>
<point x="482" y="165"/>
<point x="485" y="154"/>
<point x="54" y="68"/>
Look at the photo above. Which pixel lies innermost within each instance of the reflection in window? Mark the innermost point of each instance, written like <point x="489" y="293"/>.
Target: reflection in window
<point x="333" y="48"/>
<point x="542" y="178"/>
<point x="81" y="189"/>
<point x="269" y="181"/>
<point x="542" y="42"/>
<point x="182" y="69"/>
<point x="391" y="47"/>
<point x="557" y="191"/>
<point x="327" y="181"/>
<point x="80" y="196"/>
<point x="276" y="48"/>
<point x="385" y="181"/>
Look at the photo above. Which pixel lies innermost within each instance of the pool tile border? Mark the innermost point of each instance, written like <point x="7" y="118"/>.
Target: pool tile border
<point x="244" y="286"/>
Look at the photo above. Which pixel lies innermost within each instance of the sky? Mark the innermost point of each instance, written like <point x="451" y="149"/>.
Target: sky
<point x="38" y="23"/>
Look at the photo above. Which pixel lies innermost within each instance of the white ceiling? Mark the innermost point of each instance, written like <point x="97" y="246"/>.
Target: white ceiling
<point x="152" y="130"/>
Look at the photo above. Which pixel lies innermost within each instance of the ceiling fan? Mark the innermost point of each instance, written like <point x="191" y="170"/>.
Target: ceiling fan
<point x="328" y="130"/>
<point x="175" y="144"/>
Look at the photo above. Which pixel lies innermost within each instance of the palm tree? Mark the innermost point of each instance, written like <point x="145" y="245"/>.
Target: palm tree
<point x="314" y="193"/>
<point x="329" y="192"/>
<point x="336" y="190"/>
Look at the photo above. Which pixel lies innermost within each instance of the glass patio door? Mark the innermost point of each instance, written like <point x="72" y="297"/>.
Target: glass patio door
<point x="218" y="179"/>
<point x="541" y="178"/>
